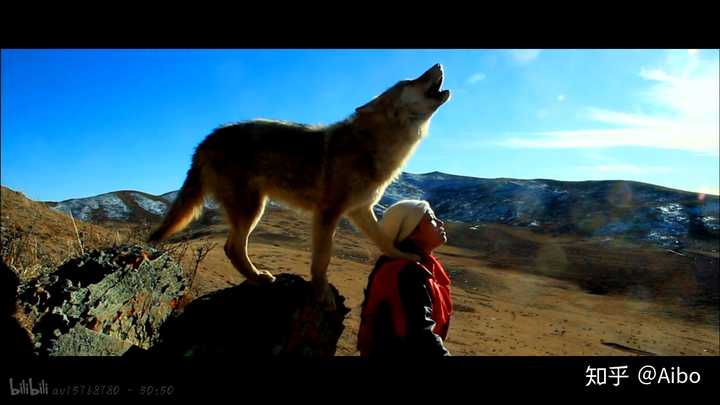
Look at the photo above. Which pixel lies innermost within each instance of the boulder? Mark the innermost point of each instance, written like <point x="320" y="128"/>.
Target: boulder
<point x="104" y="301"/>
<point x="249" y="320"/>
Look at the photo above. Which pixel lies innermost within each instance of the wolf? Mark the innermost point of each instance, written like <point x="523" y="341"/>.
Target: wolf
<point x="334" y="171"/>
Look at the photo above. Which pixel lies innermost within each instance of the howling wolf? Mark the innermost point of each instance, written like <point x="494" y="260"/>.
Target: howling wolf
<point x="332" y="171"/>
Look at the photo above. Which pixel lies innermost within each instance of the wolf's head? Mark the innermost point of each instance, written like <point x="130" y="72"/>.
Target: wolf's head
<point x="410" y="100"/>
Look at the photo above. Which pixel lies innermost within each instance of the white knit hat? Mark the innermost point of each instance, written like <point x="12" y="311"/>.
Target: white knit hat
<point x="401" y="218"/>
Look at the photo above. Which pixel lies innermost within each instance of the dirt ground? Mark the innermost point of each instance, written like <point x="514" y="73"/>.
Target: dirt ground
<point x="497" y="311"/>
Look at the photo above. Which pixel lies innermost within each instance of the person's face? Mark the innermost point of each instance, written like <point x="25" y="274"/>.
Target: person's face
<point x="430" y="233"/>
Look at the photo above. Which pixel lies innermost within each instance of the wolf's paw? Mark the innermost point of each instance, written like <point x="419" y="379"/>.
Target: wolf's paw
<point x="328" y="302"/>
<point x="266" y="276"/>
<point x="261" y="277"/>
<point x="325" y="297"/>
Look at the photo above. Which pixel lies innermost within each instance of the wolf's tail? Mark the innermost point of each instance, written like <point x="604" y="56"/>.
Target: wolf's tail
<point x="186" y="207"/>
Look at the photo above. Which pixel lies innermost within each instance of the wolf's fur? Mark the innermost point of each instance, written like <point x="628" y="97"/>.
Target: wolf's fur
<point x="332" y="171"/>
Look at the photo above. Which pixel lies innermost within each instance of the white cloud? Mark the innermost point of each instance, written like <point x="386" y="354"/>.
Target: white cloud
<point x="625" y="119"/>
<point x="476" y="78"/>
<point x="655" y="74"/>
<point x="699" y="139"/>
<point x="689" y="96"/>
<point x="693" y="94"/>
<point x="525" y="55"/>
<point x="692" y="52"/>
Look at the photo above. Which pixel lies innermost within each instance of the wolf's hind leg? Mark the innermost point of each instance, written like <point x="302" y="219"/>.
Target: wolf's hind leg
<point x="244" y="210"/>
<point x="364" y="218"/>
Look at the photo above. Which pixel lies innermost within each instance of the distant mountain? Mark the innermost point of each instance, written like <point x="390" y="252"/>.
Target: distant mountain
<point x="627" y="209"/>
<point x="121" y="206"/>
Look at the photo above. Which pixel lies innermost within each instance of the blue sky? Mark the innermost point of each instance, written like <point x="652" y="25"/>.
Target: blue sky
<point x="77" y="123"/>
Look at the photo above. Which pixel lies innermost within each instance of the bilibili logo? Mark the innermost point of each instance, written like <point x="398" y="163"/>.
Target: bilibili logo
<point x="28" y="388"/>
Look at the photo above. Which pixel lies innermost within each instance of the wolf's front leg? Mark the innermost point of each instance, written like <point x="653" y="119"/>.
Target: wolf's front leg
<point x="365" y="219"/>
<point x="324" y="224"/>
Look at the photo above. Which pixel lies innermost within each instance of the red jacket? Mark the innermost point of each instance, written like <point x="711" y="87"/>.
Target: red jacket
<point x="407" y="308"/>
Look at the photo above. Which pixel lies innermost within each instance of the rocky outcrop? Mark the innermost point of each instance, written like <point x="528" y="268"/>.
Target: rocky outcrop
<point x="279" y="319"/>
<point x="103" y="302"/>
<point x="127" y="301"/>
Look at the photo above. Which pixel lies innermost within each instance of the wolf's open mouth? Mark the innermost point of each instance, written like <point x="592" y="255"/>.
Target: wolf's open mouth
<point x="434" y="90"/>
<point x="433" y="79"/>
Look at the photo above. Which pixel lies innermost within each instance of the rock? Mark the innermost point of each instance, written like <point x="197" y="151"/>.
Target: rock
<point x="124" y="301"/>
<point x="104" y="301"/>
<point x="280" y="319"/>
<point x="81" y="341"/>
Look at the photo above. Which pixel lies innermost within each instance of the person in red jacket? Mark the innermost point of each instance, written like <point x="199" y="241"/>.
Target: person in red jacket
<point x="407" y="306"/>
